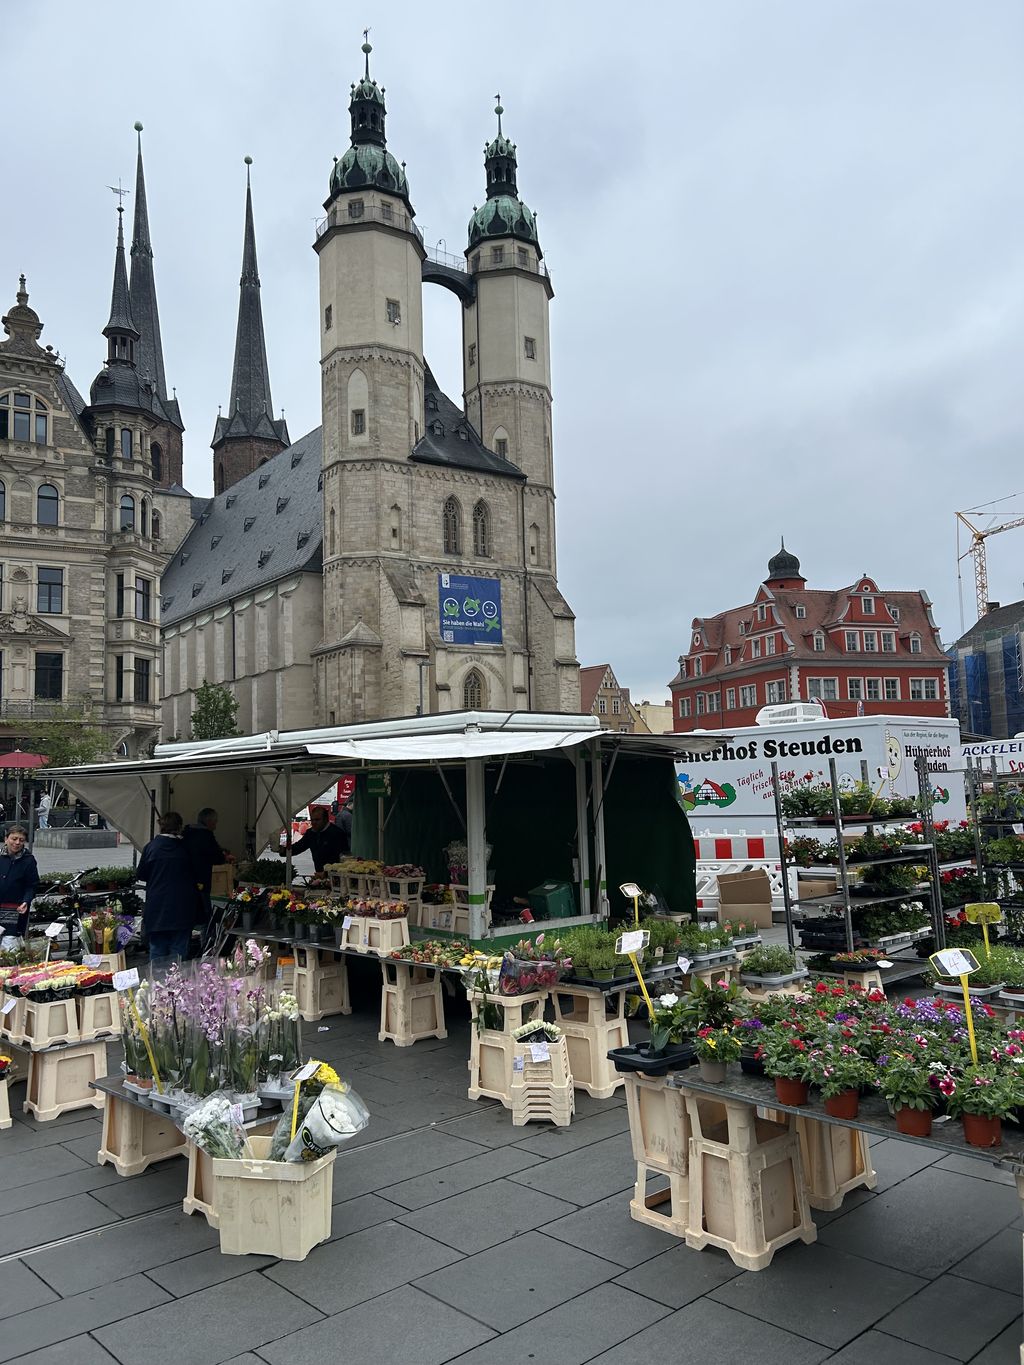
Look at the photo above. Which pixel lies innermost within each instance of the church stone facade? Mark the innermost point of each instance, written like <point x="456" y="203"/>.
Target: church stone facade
<point x="432" y="526"/>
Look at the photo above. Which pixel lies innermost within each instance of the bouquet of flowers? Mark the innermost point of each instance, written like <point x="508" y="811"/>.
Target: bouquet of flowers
<point x="215" y="1126"/>
<point x="106" y="930"/>
<point x="5" y="1066"/>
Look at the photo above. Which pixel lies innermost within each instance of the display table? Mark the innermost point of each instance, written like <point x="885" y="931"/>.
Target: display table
<point x="135" y="1136"/>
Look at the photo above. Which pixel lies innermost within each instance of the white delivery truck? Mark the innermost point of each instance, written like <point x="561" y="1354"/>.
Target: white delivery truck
<point x="729" y="790"/>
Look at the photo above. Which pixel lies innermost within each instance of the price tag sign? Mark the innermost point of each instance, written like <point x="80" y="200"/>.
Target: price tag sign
<point x="54" y="930"/>
<point x="954" y="962"/>
<point x="92" y="960"/>
<point x="237" y="1114"/>
<point x="346" y="923"/>
<point x="540" y="1052"/>
<point x="884" y="962"/>
<point x="304" y="1072"/>
<point x="633" y="942"/>
<point x="124" y="981"/>
<point x="983" y="912"/>
<point x="518" y="1063"/>
<point x="10" y="1005"/>
<point x="683" y="962"/>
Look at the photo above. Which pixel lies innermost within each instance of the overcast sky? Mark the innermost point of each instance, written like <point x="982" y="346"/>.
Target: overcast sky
<point x="785" y="238"/>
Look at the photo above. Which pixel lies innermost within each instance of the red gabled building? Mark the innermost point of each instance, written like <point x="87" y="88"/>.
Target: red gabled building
<point x="859" y="650"/>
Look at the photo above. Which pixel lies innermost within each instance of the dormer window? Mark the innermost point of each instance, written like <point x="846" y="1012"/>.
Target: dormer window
<point x="437" y="428"/>
<point x="282" y="503"/>
<point x="431" y="402"/>
<point x="296" y="459"/>
<point x="819" y="642"/>
<point x="868" y="604"/>
<point x="225" y="575"/>
<point x="265" y="556"/>
<point x="915" y="643"/>
<point x="264" y="480"/>
<point x="728" y="654"/>
<point x="762" y="612"/>
<point x="698" y="668"/>
<point x="894" y="612"/>
<point x="248" y="523"/>
<point x="800" y="610"/>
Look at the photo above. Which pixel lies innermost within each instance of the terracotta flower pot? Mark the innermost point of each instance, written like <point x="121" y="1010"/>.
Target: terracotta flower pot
<point x="981" y="1130"/>
<point x="788" y="1091"/>
<point x="914" y="1122"/>
<point x="844" y="1105"/>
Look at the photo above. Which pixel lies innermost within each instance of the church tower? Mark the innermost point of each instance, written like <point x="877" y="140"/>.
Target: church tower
<point x="249" y="435"/>
<point x="165" y="447"/>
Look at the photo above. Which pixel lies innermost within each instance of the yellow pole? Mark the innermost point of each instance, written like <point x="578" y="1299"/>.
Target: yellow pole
<point x="643" y="987"/>
<point x="877" y="794"/>
<point x="984" y="931"/>
<point x="970" y="1019"/>
<point x="636" y="911"/>
<point x="295" y="1108"/>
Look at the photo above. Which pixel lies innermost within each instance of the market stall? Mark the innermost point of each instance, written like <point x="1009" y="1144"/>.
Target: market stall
<point x="536" y="798"/>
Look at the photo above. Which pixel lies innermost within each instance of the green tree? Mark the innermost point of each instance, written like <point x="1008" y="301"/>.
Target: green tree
<point x="215" y="713"/>
<point x="66" y="738"/>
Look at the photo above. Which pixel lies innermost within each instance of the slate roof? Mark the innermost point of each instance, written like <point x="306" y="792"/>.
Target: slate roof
<point x="263" y="528"/>
<point x="997" y="622"/>
<point x="591" y="679"/>
<point x="149" y="353"/>
<point x="450" y="439"/>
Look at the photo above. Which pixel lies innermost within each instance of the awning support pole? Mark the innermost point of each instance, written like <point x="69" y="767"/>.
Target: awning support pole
<point x="582" y="833"/>
<point x="476" y="821"/>
<point x="288" y="806"/>
<point x="451" y="798"/>
<point x="600" y="857"/>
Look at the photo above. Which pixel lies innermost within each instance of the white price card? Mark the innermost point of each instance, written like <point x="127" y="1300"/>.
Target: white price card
<point x="884" y="962"/>
<point x="518" y="1063"/>
<point x="683" y="962"/>
<point x="92" y="960"/>
<point x="124" y="981"/>
<point x="540" y="1052"/>
<point x="237" y="1114"/>
<point x="954" y="962"/>
<point x="633" y="942"/>
<point x="346" y="923"/>
<point x="304" y="1072"/>
<point x="54" y="930"/>
<point x="10" y="1005"/>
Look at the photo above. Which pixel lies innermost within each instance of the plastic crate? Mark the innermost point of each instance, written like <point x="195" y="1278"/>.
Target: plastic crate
<point x="553" y="900"/>
<point x="273" y="1208"/>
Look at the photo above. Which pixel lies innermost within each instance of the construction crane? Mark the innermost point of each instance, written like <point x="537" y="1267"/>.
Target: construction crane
<point x="976" y="550"/>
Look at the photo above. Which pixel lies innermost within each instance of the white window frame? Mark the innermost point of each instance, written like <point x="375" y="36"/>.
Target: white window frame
<point x="728" y="654"/>
<point x="891" y="689"/>
<point x="872" y="689"/>
<point x="698" y="668"/>
<point x="919" y="689"/>
<point x="701" y="703"/>
<point x="871" y="642"/>
<point x="748" y="695"/>
<point x="684" y="707"/>
<point x="775" y="692"/>
<point x="818" y="642"/>
<point x="888" y="642"/>
<point x="769" y="644"/>
<point x="824" y="689"/>
<point x="852" y="641"/>
<point x="854" y="689"/>
<point x="915" y="643"/>
<point x="800" y="611"/>
<point x="755" y="648"/>
<point x="730" y="699"/>
<point x="762" y="611"/>
<point x="868" y="604"/>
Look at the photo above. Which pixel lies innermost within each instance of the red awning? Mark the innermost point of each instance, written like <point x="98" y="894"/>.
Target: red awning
<point x="17" y="759"/>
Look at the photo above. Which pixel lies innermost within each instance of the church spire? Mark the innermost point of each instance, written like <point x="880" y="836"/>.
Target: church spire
<point x="149" y="355"/>
<point x="249" y="428"/>
<point x="120" y="331"/>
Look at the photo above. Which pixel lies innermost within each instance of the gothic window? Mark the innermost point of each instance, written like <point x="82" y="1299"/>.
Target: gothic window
<point x="127" y="522"/>
<point x="497" y="255"/>
<point x="3" y="501"/>
<point x="534" y="542"/>
<point x="156" y="525"/>
<point x="394" y="312"/>
<point x="126" y="443"/>
<point x="332" y="536"/>
<point x="396" y="527"/>
<point x="358" y="421"/>
<point x="156" y="460"/>
<point x="473" y="691"/>
<point x="144" y="517"/>
<point x="452" y="524"/>
<point x="481" y="530"/>
<point x="109" y="440"/>
<point x="530" y="348"/>
<point x="47" y="505"/>
<point x="501" y="446"/>
<point x="22" y="418"/>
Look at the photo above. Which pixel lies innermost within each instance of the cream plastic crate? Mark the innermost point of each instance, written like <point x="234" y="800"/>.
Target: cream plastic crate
<point x="98" y="1016"/>
<point x="5" y="1105"/>
<point x="273" y="1208"/>
<point x="49" y="1022"/>
<point x="659" y="1129"/>
<point x="836" y="1160"/>
<point x="322" y="989"/>
<point x="199" y="1189"/>
<point x="491" y="1050"/>
<point x="12" y="1024"/>
<point x="369" y="935"/>
<point x="542" y="1091"/>
<point x="590" y="1035"/>
<point x="108" y="962"/>
<point x="61" y="1080"/>
<point x="411" y="1004"/>
<point x="135" y="1138"/>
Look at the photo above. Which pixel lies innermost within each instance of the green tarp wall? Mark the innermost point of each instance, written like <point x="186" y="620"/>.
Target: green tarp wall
<point x="531" y="826"/>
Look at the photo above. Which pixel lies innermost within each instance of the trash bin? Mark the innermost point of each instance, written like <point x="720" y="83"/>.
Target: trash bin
<point x="553" y="900"/>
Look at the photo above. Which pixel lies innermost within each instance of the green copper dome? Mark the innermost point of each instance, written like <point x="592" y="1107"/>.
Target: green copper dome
<point x="501" y="146"/>
<point x="503" y="216"/>
<point x="369" y="164"/>
<point x="367" y="89"/>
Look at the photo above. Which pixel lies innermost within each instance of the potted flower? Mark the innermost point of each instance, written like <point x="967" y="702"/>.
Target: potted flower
<point x="912" y="1092"/>
<point x="860" y="960"/>
<point x="983" y="1097"/>
<point x="1013" y="977"/>
<point x="716" y="1048"/>
<point x="671" y="1046"/>
<point x="787" y="1060"/>
<point x="745" y="935"/>
<point x="839" y="1071"/>
<point x="770" y="968"/>
<point x="986" y="982"/>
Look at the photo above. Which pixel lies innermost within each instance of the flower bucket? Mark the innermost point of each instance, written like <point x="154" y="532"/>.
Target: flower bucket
<point x="982" y="1130"/>
<point x="788" y="1091"/>
<point x="914" y="1122"/>
<point x="843" y="1106"/>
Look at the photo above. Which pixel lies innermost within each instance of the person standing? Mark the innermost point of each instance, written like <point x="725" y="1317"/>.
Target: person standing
<point x="344" y="823"/>
<point x="325" y="841"/>
<point x="172" y="894"/>
<point x="206" y="853"/>
<point x="43" y="810"/>
<point x="19" y="881"/>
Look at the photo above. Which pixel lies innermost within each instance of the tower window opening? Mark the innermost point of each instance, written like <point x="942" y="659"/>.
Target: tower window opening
<point x="329" y="315"/>
<point x="530" y="348"/>
<point x="394" y="312"/>
<point x="452" y="527"/>
<point x="473" y="691"/>
<point x="356" y="208"/>
<point x="501" y="447"/>
<point x="358" y="421"/>
<point x="481" y="530"/>
<point x="497" y="255"/>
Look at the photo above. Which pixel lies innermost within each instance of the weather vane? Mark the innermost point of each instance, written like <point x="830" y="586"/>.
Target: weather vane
<point x="119" y="191"/>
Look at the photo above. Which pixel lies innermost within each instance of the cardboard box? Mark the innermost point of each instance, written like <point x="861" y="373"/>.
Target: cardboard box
<point x="747" y="896"/>
<point x="815" y="886"/>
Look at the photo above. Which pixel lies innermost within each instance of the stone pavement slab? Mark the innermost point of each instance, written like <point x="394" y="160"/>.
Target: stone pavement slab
<point x="464" y="1175"/>
<point x="484" y="1216"/>
<point x="580" y="1133"/>
<point x="75" y="1351"/>
<point x="590" y="1173"/>
<point x="21" y="1289"/>
<point x="706" y="1331"/>
<point x="926" y="1224"/>
<point x="84" y="1181"/>
<point x="677" y="1277"/>
<point x="877" y="1348"/>
<point x="996" y="1263"/>
<point x="830" y="1296"/>
<point x="402" y="1325"/>
<point x="118" y="1251"/>
<point x="509" y="1284"/>
<point x="896" y="1161"/>
<point x="573" y="1332"/>
<point x="367" y="1169"/>
<point x="981" y="1170"/>
<point x="1004" y="1350"/>
<point x="365" y="1211"/>
<point x="953" y="1316"/>
<point x="209" y="1327"/>
<point x="342" y="1273"/>
<point x="70" y="1317"/>
<point x="161" y="1186"/>
<point x="203" y="1269"/>
<point x="35" y="1226"/>
<point x="607" y="1229"/>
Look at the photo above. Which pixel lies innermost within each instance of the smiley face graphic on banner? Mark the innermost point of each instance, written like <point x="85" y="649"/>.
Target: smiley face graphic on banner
<point x="469" y="609"/>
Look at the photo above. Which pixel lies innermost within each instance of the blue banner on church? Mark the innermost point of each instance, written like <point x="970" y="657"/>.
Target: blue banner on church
<point x="469" y="609"/>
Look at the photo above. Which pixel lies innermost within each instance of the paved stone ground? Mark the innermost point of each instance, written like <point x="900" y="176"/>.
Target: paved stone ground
<point x="457" y="1237"/>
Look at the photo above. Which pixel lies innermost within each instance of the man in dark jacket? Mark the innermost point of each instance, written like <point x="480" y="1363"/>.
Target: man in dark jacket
<point x="325" y="841"/>
<point x="172" y="893"/>
<point x="19" y="881"/>
<point x="205" y="852"/>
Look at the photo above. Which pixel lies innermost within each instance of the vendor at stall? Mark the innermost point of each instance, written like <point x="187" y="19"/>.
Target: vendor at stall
<point x="19" y="881"/>
<point x="325" y="841"/>
<point x="173" y="905"/>
<point x="205" y="852"/>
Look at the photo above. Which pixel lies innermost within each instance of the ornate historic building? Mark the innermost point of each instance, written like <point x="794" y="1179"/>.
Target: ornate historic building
<point x="431" y="526"/>
<point x="91" y="506"/>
